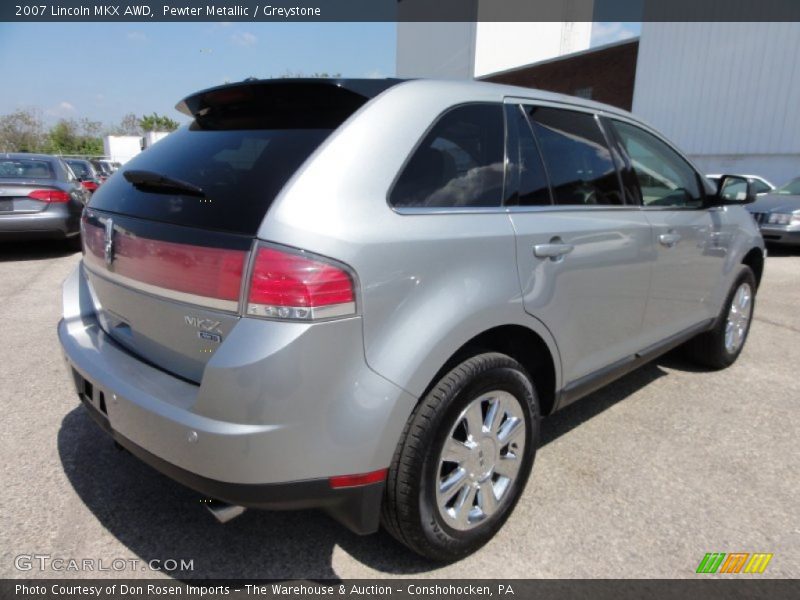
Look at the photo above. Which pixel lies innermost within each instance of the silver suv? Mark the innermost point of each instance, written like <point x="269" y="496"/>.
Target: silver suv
<point x="363" y="295"/>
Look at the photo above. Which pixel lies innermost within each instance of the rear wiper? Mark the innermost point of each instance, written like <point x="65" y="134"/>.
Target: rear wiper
<point x="156" y="182"/>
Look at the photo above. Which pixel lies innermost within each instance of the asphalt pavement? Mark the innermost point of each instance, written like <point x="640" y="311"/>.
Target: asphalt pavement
<point x="641" y="479"/>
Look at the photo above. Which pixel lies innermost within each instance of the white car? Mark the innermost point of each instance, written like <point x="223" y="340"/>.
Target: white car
<point x="762" y="185"/>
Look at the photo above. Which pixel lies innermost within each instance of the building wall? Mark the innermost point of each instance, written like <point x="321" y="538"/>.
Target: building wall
<point x="468" y="50"/>
<point x="435" y="50"/>
<point x="605" y="74"/>
<point x="726" y="93"/>
<point x="501" y="46"/>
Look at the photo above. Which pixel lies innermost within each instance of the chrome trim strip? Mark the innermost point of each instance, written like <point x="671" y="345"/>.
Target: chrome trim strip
<point x="316" y="313"/>
<point x="517" y="209"/>
<point x="231" y="306"/>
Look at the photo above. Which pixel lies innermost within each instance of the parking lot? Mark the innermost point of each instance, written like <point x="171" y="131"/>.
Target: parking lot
<point x="639" y="480"/>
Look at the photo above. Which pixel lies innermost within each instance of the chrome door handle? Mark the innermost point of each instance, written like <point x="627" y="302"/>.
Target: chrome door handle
<point x="552" y="250"/>
<point x="669" y="239"/>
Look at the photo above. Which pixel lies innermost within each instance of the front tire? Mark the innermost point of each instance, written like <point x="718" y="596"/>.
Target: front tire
<point x="720" y="347"/>
<point x="463" y="459"/>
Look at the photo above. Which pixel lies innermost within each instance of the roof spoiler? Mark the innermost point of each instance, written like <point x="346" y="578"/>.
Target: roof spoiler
<point x="253" y="96"/>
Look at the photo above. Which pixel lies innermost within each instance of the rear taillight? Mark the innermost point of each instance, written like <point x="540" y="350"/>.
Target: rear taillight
<point x="298" y="286"/>
<point x="346" y="481"/>
<point x="49" y="195"/>
<point x="89" y="185"/>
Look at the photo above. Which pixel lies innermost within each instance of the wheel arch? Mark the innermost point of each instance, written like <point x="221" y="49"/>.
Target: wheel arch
<point x="523" y="345"/>
<point x="755" y="260"/>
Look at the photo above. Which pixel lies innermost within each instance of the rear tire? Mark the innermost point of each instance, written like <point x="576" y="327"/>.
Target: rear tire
<point x="463" y="459"/>
<point x="720" y="347"/>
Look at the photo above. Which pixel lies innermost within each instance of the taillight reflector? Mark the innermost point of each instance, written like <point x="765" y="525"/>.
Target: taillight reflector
<point x="344" y="481"/>
<point x="288" y="285"/>
<point x="49" y="195"/>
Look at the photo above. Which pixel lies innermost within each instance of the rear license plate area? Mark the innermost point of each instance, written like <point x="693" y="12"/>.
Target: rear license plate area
<point x="90" y="394"/>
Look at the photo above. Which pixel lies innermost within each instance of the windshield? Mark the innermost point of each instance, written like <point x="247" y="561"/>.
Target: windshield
<point x="790" y="189"/>
<point x="25" y="168"/>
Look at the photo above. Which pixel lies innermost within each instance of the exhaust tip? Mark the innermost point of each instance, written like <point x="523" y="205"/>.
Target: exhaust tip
<point x="224" y="512"/>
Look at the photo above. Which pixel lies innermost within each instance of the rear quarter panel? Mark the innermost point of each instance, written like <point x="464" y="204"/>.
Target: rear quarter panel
<point x="428" y="282"/>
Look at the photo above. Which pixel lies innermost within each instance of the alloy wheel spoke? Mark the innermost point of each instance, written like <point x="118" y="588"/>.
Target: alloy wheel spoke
<point x="486" y="498"/>
<point x="463" y="505"/>
<point x="507" y="466"/>
<point x="494" y="414"/>
<point x="511" y="428"/>
<point x="455" y="451"/>
<point x="451" y="481"/>
<point x="474" y="419"/>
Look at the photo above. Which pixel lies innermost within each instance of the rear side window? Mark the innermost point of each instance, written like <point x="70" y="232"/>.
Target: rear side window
<point x="460" y="162"/>
<point x="533" y="190"/>
<point x="240" y="171"/>
<point x="577" y="157"/>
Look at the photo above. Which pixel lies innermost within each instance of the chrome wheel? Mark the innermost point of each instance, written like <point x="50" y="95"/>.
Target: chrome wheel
<point x="738" y="318"/>
<point x="480" y="460"/>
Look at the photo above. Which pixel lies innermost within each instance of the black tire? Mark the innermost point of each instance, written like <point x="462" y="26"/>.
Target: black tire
<point x="708" y="349"/>
<point x="74" y="243"/>
<point x="410" y="512"/>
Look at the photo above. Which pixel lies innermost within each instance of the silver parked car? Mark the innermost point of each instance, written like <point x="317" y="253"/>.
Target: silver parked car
<point x="363" y="295"/>
<point x="778" y="214"/>
<point x="40" y="198"/>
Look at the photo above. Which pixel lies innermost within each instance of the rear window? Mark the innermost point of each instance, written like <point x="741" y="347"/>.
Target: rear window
<point x="239" y="171"/>
<point x="25" y="168"/>
<point x="80" y="168"/>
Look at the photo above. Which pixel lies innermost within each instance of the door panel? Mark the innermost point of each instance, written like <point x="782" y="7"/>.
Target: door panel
<point x="584" y="265"/>
<point x="593" y="297"/>
<point x="687" y="241"/>
<point x="687" y="265"/>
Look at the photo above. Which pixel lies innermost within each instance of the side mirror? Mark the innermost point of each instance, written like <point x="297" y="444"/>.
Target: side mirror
<point x="734" y="189"/>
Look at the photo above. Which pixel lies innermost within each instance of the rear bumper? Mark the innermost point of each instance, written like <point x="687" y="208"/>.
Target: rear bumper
<point x="258" y="431"/>
<point x="55" y="222"/>
<point x="357" y="508"/>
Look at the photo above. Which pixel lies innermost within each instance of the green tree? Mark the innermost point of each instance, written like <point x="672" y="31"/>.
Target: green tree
<point x="128" y="125"/>
<point x="156" y="122"/>
<point x="69" y="136"/>
<point x="22" y="131"/>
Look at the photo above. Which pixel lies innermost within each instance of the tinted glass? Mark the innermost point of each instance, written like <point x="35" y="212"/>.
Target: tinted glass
<point x="577" y="157"/>
<point x="458" y="164"/>
<point x="533" y="188"/>
<point x="240" y="172"/>
<point x="664" y="177"/>
<point x="761" y="187"/>
<point x="80" y="168"/>
<point x="25" y="168"/>
<point x="792" y="188"/>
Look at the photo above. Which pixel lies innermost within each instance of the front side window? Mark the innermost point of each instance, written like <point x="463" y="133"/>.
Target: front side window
<point x="460" y="163"/>
<point x="664" y="177"/>
<point x="577" y="157"/>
